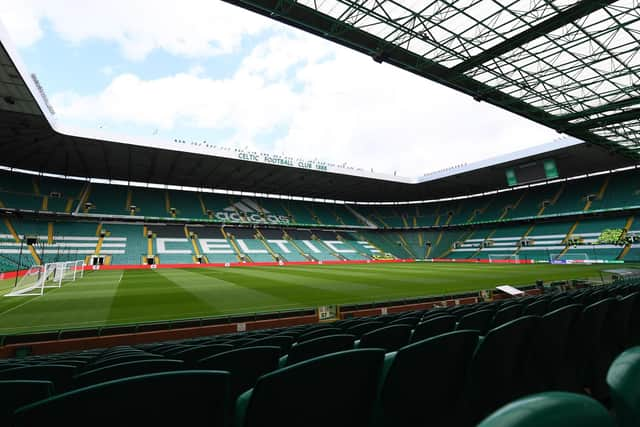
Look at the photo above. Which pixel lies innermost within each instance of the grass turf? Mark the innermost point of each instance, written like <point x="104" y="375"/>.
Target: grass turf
<point x="118" y="297"/>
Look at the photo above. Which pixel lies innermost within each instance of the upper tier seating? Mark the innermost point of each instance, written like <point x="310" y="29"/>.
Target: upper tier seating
<point x="38" y="193"/>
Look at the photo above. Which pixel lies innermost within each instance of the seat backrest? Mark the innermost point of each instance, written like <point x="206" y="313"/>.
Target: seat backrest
<point x="362" y="328"/>
<point x="434" y="312"/>
<point x="126" y="369"/>
<point x="634" y="325"/>
<point x="478" y="320"/>
<point x="441" y="362"/>
<point x="319" y="346"/>
<point x="16" y="393"/>
<point x="593" y="355"/>
<point x="389" y="338"/>
<point x="558" y="302"/>
<point x="113" y="360"/>
<point x="506" y="314"/>
<point x="246" y="365"/>
<point x="551" y="409"/>
<point x="59" y="375"/>
<point x="317" y="333"/>
<point x="282" y="341"/>
<point x="623" y="379"/>
<point x="195" y="353"/>
<point x="406" y="320"/>
<point x="158" y="399"/>
<point x="497" y="368"/>
<point x="549" y="364"/>
<point x="432" y="327"/>
<point x="618" y="324"/>
<point x="337" y="389"/>
<point x="536" y="308"/>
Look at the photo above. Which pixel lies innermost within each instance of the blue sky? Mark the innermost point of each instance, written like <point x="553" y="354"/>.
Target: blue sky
<point x="205" y="70"/>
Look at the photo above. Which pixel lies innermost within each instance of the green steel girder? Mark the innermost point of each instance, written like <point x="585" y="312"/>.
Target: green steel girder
<point x="617" y="118"/>
<point x="580" y="10"/>
<point x="601" y="109"/>
<point x="570" y="65"/>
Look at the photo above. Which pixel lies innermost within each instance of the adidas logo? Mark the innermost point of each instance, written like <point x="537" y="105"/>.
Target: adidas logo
<point x="251" y="212"/>
<point x="246" y="206"/>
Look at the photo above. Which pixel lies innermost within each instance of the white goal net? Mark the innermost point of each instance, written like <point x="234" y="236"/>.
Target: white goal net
<point x="570" y="257"/>
<point x="508" y="258"/>
<point x="51" y="275"/>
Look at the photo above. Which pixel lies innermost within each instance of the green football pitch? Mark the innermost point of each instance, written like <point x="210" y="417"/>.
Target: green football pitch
<point x="120" y="297"/>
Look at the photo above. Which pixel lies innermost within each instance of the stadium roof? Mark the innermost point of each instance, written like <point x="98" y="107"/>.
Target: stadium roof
<point x="571" y="65"/>
<point x="31" y="139"/>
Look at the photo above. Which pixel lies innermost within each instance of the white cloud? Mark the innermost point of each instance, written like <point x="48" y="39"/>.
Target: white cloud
<point x="191" y="28"/>
<point x="331" y="102"/>
<point x="335" y="104"/>
<point x="22" y="22"/>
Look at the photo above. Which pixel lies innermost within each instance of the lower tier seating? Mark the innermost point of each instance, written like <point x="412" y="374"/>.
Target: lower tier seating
<point x="464" y="370"/>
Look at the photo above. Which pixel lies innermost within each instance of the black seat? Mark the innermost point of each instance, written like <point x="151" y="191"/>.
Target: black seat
<point x="478" y="320"/>
<point x="246" y="365"/>
<point x="423" y="382"/>
<point x="160" y="399"/>
<point x="497" y="370"/>
<point x="127" y="369"/>
<point x="389" y="338"/>
<point x="432" y="327"/>
<point x="309" y="393"/>
<point x="317" y="347"/>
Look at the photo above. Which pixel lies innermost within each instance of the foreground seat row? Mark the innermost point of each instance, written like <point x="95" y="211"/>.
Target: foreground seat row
<point x="307" y="394"/>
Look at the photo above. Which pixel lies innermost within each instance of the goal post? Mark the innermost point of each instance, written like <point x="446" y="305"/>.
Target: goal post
<point x="30" y="283"/>
<point x="504" y="258"/>
<point x="50" y="275"/>
<point x="570" y="257"/>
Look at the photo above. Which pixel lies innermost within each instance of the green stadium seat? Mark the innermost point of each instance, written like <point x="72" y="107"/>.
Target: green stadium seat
<point x="423" y="382"/>
<point x="558" y="302"/>
<point x="623" y="379"/>
<point x="246" y="365"/>
<point x="551" y="409"/>
<point x="16" y="393"/>
<point x="497" y="370"/>
<point x="434" y="312"/>
<point x="622" y="317"/>
<point x="477" y="320"/>
<point x="337" y="390"/>
<point x="60" y="375"/>
<point x="432" y="327"/>
<point x="120" y="358"/>
<point x="406" y="320"/>
<point x="317" y="333"/>
<point x="282" y="341"/>
<point x="191" y="355"/>
<point x="634" y="325"/>
<point x="389" y="338"/>
<point x="462" y="310"/>
<point x="126" y="369"/>
<point x="506" y="314"/>
<point x="594" y="354"/>
<point x="160" y="399"/>
<point x="362" y="328"/>
<point x="317" y="347"/>
<point x="536" y="308"/>
<point x="549" y="364"/>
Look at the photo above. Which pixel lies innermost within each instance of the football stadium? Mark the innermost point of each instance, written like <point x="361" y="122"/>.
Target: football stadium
<point x="161" y="281"/>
